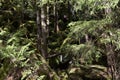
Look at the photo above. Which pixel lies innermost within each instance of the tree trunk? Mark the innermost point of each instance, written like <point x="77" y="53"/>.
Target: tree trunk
<point x="47" y="19"/>
<point x="42" y="31"/>
<point x="56" y="26"/>
<point x="111" y="60"/>
<point x="39" y="33"/>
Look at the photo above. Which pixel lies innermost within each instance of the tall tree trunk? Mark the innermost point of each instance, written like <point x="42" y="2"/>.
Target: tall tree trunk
<point x="42" y="34"/>
<point x="47" y="19"/>
<point x="42" y="31"/>
<point x="39" y="30"/>
<point x="56" y="26"/>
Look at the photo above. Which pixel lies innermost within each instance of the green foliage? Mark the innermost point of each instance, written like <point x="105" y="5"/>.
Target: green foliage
<point x="92" y="5"/>
<point x="92" y="9"/>
<point x="80" y="28"/>
<point x="16" y="51"/>
<point x="98" y="32"/>
<point x="83" y="41"/>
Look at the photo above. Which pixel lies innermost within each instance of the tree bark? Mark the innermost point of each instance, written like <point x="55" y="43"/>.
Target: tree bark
<point x="56" y="26"/>
<point x="48" y="18"/>
<point x="42" y="31"/>
<point x="38" y="19"/>
<point x="111" y="60"/>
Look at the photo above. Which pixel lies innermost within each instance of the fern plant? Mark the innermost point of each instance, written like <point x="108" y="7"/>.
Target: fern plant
<point x="17" y="49"/>
<point x="87" y="39"/>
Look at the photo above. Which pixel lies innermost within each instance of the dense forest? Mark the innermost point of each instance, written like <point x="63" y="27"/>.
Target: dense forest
<point x="59" y="39"/>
